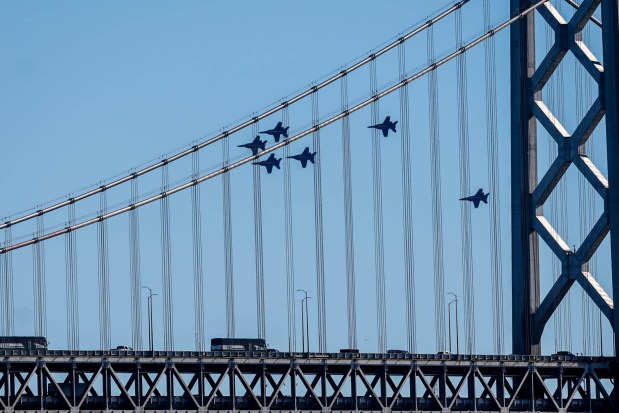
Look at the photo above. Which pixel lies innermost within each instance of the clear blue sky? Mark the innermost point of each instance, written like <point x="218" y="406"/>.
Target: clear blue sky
<point x="90" y="90"/>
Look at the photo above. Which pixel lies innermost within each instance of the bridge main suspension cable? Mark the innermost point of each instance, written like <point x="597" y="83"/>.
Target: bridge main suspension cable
<point x="227" y="168"/>
<point x="417" y="29"/>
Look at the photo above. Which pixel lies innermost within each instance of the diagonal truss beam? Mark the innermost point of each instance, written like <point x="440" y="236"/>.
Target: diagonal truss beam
<point x="530" y="312"/>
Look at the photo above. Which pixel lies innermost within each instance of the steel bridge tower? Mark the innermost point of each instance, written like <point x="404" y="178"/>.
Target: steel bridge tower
<point x="531" y="188"/>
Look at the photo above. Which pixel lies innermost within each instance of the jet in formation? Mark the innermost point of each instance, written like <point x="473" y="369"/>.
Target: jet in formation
<point x="254" y="145"/>
<point x="477" y="198"/>
<point x="277" y="131"/>
<point x="385" y="126"/>
<point x="304" y="156"/>
<point x="269" y="163"/>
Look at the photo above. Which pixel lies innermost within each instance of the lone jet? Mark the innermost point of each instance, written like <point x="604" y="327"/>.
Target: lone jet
<point x="385" y="126"/>
<point x="254" y="145"/>
<point x="477" y="198"/>
<point x="277" y="131"/>
<point x="303" y="157"/>
<point x="269" y="163"/>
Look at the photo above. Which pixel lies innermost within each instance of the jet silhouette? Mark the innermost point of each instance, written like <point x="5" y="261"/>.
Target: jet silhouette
<point x="277" y="131"/>
<point x="477" y="198"/>
<point x="269" y="163"/>
<point x="303" y="157"/>
<point x="385" y="126"/>
<point x="254" y="145"/>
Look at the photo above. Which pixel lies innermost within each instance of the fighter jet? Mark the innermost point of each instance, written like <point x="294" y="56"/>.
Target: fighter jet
<point x="277" y="131"/>
<point x="269" y="163"/>
<point x="304" y="157"/>
<point x="385" y="126"/>
<point x="477" y="198"/>
<point x="254" y="145"/>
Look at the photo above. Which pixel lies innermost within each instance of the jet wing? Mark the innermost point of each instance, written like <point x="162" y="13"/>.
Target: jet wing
<point x="387" y="120"/>
<point x="480" y="192"/>
<point x="270" y="169"/>
<point x="303" y="162"/>
<point x="385" y="132"/>
<point x="276" y="136"/>
<point x="476" y="202"/>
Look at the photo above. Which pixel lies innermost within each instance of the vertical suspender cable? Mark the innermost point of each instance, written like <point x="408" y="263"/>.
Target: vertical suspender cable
<point x="349" y="235"/>
<point x="551" y="204"/>
<point x="134" y="268"/>
<point x="105" y="341"/>
<point x="71" y="284"/>
<point x="259" y="254"/>
<point x="228" y="240"/>
<point x="381" y="312"/>
<point x="494" y="178"/>
<point x="38" y="282"/>
<point x="320" y="263"/>
<point x="8" y="302"/>
<point x="465" y="207"/>
<point x="563" y="227"/>
<point x="290" y="281"/>
<point x="198" y="272"/>
<point x="437" y="208"/>
<point x="166" y="264"/>
<point x="407" y="206"/>
<point x="587" y="205"/>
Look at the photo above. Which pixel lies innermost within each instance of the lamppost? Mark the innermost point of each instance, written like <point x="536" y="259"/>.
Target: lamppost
<point x="305" y="324"/>
<point x="455" y="300"/>
<point x="150" y="317"/>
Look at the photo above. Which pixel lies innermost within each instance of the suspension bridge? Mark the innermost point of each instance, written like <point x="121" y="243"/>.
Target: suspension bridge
<point x="351" y="195"/>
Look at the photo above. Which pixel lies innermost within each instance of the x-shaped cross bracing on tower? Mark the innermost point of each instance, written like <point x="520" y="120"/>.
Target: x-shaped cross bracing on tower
<point x="528" y="195"/>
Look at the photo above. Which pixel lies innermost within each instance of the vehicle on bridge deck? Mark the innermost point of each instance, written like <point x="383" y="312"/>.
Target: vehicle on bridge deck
<point x="238" y="344"/>
<point x="23" y="343"/>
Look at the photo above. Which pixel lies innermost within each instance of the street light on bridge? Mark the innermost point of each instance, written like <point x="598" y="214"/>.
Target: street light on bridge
<point x="455" y="300"/>
<point x="150" y="317"/>
<point x="305" y="321"/>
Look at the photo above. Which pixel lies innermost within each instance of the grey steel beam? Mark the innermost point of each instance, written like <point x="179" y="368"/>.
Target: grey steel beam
<point x="525" y="243"/>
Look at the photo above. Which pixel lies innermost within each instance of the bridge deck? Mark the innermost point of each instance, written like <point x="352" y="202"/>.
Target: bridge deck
<point x="272" y="381"/>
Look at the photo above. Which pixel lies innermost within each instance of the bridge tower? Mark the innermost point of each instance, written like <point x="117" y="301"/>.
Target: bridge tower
<point x="531" y="188"/>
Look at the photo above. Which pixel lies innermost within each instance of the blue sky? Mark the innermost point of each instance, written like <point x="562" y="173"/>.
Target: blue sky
<point x="92" y="90"/>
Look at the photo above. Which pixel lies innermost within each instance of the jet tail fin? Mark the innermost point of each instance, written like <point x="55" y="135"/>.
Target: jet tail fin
<point x="263" y="145"/>
<point x="393" y="126"/>
<point x="485" y="198"/>
<point x="311" y="157"/>
<point x="285" y="132"/>
<point x="277" y="161"/>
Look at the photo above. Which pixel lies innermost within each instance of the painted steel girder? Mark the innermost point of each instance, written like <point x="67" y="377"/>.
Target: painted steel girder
<point x="571" y="150"/>
<point x="402" y="384"/>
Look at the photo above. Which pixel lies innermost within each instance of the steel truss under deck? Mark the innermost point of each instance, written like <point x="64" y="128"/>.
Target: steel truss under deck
<point x="253" y="382"/>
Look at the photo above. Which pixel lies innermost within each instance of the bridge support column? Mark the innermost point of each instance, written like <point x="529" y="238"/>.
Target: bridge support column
<point x="609" y="91"/>
<point x="525" y="243"/>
